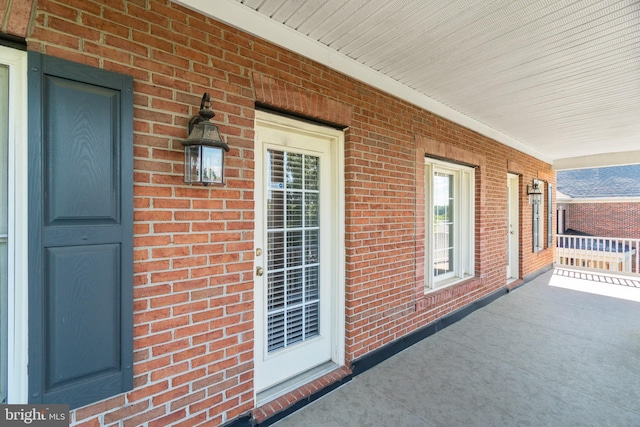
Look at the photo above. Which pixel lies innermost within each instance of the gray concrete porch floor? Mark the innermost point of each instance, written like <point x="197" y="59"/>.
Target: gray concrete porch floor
<point x="543" y="355"/>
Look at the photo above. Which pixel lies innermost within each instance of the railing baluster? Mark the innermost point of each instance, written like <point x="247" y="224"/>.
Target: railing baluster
<point x="637" y="256"/>
<point x="614" y="254"/>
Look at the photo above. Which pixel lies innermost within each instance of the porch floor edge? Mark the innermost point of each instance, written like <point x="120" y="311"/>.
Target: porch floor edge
<point x="274" y="410"/>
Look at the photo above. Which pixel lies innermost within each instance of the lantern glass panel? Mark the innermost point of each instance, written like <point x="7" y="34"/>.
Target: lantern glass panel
<point x="191" y="163"/>
<point x="212" y="164"/>
<point x="535" y="198"/>
<point x="210" y="132"/>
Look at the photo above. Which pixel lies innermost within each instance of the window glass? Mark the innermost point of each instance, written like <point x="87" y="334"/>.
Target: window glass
<point x="443" y="224"/>
<point x="293" y="249"/>
<point x="450" y="212"/>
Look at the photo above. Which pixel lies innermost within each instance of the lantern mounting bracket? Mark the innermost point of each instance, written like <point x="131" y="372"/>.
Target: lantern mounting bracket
<point x="205" y="113"/>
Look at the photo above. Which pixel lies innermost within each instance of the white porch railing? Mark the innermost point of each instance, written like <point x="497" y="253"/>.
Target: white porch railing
<point x="598" y="253"/>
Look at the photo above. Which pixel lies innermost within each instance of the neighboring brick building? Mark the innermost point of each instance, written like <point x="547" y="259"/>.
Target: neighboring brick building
<point x="195" y="313"/>
<point x="601" y="202"/>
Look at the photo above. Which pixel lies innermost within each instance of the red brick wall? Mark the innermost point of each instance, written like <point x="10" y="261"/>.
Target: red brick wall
<point x="619" y="219"/>
<point x="15" y="16"/>
<point x="194" y="245"/>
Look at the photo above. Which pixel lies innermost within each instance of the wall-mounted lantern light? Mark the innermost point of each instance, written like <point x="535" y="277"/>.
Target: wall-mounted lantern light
<point x="204" y="148"/>
<point x="535" y="193"/>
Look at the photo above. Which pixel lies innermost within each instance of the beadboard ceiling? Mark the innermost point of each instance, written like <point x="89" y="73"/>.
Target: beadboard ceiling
<point x="557" y="79"/>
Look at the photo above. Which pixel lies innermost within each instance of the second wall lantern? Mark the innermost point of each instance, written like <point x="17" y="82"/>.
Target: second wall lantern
<point x="204" y="148"/>
<point x="535" y="193"/>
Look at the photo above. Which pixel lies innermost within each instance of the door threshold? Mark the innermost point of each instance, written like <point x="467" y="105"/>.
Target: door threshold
<point x="293" y="383"/>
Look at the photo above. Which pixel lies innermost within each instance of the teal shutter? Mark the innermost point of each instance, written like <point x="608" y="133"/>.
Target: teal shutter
<point x="536" y="230"/>
<point x="549" y="215"/>
<point x="80" y="232"/>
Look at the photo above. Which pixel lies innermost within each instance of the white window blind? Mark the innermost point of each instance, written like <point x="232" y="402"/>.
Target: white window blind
<point x="293" y="244"/>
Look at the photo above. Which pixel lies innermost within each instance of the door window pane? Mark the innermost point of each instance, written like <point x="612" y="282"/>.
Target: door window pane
<point x="293" y="241"/>
<point x="294" y="209"/>
<point x="311" y="209"/>
<point x="294" y="170"/>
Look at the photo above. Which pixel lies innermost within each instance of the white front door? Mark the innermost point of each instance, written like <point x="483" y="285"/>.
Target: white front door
<point x="512" y="226"/>
<point x="297" y="250"/>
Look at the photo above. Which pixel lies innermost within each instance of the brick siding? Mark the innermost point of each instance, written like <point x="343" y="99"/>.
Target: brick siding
<point x="194" y="245"/>
<point x="619" y="219"/>
<point x="15" y="17"/>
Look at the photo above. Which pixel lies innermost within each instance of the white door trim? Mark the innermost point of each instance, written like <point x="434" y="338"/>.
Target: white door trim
<point x="513" y="227"/>
<point x="264" y="119"/>
<point x="17" y="328"/>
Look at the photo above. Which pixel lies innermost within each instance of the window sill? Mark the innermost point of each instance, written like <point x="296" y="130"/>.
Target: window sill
<point x="446" y="284"/>
<point x="441" y="297"/>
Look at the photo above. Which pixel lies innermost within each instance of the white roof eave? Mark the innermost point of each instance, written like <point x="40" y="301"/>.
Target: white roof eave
<point x="234" y="14"/>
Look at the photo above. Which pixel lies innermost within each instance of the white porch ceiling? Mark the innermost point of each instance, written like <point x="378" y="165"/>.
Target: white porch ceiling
<point x="557" y="79"/>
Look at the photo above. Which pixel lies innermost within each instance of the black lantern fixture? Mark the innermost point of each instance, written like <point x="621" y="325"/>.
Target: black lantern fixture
<point x="535" y="193"/>
<point x="204" y="148"/>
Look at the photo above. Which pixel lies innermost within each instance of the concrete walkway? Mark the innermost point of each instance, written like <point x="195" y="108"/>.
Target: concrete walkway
<point x="543" y="355"/>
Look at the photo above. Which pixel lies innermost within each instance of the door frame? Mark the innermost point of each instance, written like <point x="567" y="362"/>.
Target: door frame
<point x="18" y="268"/>
<point x="269" y="120"/>
<point x="513" y="218"/>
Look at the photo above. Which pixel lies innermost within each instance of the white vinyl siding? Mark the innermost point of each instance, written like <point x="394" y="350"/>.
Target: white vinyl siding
<point x="450" y="190"/>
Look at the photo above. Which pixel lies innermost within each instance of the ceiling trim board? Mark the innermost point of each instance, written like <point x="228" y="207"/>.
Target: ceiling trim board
<point x="236" y="15"/>
<point x="598" y="161"/>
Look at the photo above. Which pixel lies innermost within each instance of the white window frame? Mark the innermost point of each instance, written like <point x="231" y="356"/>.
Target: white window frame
<point x="464" y="223"/>
<point x="17" y="292"/>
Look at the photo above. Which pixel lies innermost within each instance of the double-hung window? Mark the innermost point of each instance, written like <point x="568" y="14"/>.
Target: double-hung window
<point x="450" y="191"/>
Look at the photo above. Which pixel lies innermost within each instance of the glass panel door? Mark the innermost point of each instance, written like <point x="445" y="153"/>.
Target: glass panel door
<point x="297" y="283"/>
<point x="293" y="264"/>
